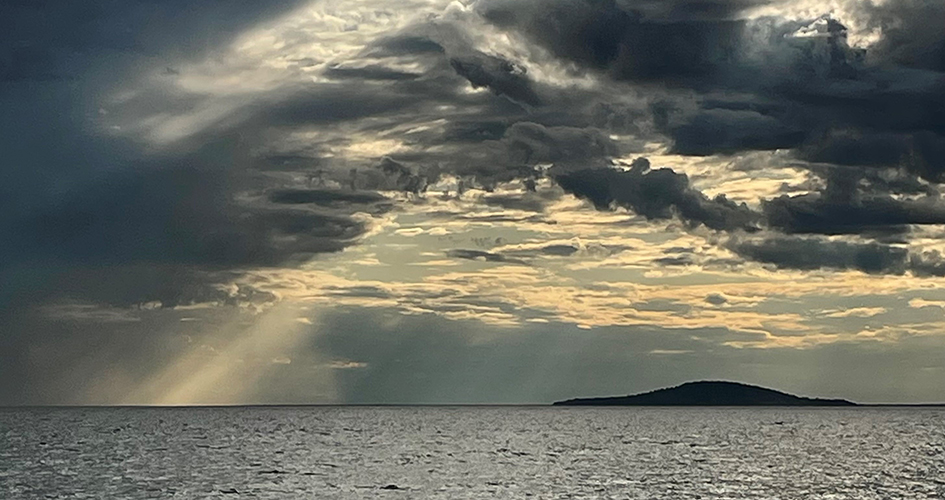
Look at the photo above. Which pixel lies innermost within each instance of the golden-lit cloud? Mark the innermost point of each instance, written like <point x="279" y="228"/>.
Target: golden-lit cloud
<point x="566" y="285"/>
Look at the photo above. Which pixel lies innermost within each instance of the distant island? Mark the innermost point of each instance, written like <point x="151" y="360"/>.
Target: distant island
<point x="708" y="393"/>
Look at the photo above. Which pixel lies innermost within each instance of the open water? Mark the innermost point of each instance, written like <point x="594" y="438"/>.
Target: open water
<point x="472" y="453"/>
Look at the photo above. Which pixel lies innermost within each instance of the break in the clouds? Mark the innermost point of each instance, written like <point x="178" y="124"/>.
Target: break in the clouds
<point x="199" y="193"/>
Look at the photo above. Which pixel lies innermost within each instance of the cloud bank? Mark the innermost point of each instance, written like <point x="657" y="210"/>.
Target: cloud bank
<point x="159" y="153"/>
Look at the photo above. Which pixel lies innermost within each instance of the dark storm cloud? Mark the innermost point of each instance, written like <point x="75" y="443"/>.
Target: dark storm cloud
<point x="825" y="214"/>
<point x="871" y="116"/>
<point x="486" y="138"/>
<point x="498" y="75"/>
<point x="839" y="208"/>
<point x="928" y="263"/>
<point x="390" y="174"/>
<point x="814" y="253"/>
<point x="657" y="194"/>
<point x="474" y="131"/>
<point x="778" y="89"/>
<point x="491" y="152"/>
<point x="912" y="36"/>
<point x="131" y="219"/>
<point x="529" y="143"/>
<point x="809" y="253"/>
<point x="165" y="235"/>
<point x="870" y="120"/>
<point x="632" y="41"/>
<point x="729" y="131"/>
<point x="857" y="201"/>
<point x="921" y="152"/>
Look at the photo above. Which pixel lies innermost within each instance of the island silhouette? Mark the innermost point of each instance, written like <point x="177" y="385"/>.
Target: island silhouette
<point x="708" y="393"/>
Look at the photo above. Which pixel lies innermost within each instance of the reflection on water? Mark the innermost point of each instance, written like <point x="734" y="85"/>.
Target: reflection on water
<point x="485" y="452"/>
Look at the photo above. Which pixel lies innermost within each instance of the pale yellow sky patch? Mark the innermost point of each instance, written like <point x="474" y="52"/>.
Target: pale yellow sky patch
<point x="858" y="312"/>
<point x="919" y="303"/>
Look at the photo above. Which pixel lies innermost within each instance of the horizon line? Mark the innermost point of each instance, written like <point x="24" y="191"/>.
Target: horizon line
<point x="442" y="405"/>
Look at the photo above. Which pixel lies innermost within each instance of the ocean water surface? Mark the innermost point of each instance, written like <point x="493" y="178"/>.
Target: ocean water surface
<point x="472" y="453"/>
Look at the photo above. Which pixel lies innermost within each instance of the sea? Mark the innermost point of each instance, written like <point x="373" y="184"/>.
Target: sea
<point x="472" y="453"/>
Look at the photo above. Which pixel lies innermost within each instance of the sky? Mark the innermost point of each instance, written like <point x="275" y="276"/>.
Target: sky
<point x="469" y="201"/>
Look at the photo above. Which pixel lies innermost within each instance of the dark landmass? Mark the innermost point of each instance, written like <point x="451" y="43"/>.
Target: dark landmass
<point x="708" y="394"/>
